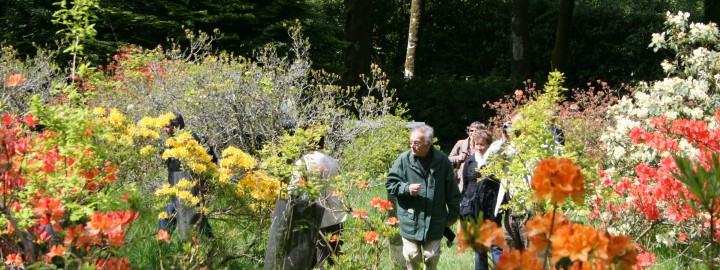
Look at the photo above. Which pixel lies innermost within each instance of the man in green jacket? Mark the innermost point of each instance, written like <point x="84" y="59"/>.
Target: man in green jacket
<point x="428" y="198"/>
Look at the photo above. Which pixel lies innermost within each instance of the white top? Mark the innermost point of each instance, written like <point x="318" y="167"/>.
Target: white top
<point x="327" y="168"/>
<point x="506" y="187"/>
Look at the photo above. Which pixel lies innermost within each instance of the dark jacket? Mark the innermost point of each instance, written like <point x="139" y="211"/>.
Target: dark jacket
<point x="423" y="217"/>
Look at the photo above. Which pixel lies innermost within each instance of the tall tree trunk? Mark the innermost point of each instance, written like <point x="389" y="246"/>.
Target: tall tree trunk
<point x="359" y="22"/>
<point x="560" y="52"/>
<point x="520" y="33"/>
<point x="712" y="11"/>
<point x="415" y="12"/>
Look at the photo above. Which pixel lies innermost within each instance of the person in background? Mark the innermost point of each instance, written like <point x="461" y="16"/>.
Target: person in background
<point x="513" y="222"/>
<point x="462" y="147"/>
<point x="428" y="198"/>
<point x="479" y="192"/>
<point x="457" y="156"/>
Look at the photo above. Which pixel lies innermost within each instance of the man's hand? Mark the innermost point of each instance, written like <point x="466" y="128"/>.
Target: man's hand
<point x="414" y="189"/>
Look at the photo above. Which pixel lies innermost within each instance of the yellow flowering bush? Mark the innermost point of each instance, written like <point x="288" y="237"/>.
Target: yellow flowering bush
<point x="260" y="186"/>
<point x="147" y="150"/>
<point x="116" y="122"/>
<point x="148" y="127"/>
<point x="189" y="151"/>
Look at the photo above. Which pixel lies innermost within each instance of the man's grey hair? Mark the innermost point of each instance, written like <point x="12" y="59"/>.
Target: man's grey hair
<point x="426" y="130"/>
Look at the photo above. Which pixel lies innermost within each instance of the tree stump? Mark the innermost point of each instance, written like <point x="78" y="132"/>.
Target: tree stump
<point x="293" y="233"/>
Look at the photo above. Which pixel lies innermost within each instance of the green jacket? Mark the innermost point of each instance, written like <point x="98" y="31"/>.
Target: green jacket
<point x="423" y="217"/>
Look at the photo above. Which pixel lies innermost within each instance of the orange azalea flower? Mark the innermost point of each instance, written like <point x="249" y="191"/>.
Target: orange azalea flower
<point x="125" y="217"/>
<point x="49" y="205"/>
<point x="538" y="229"/>
<point x="359" y="213"/>
<point x="163" y="236"/>
<point x="621" y="249"/>
<point x="480" y="238"/>
<point x="488" y="235"/>
<point x="16" y="79"/>
<point x="372" y="237"/>
<point x="117" y="238"/>
<point x="334" y="238"/>
<point x="380" y="204"/>
<point x="14" y="259"/>
<point x="15" y="206"/>
<point x="363" y="184"/>
<point x="114" y="263"/>
<point x="682" y="237"/>
<point x="10" y="229"/>
<point x="574" y="241"/>
<point x="462" y="242"/>
<point x="56" y="250"/>
<point x="392" y="221"/>
<point x="555" y="179"/>
<point x="100" y="222"/>
<point x="516" y="259"/>
<point x="71" y="233"/>
<point x="301" y="181"/>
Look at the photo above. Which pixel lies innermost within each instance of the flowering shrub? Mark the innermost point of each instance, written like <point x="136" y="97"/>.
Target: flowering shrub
<point x="239" y="104"/>
<point x="367" y="235"/>
<point x="674" y="116"/>
<point x="555" y="241"/>
<point x="240" y="101"/>
<point x="531" y="139"/>
<point x="56" y="208"/>
<point x="581" y="118"/>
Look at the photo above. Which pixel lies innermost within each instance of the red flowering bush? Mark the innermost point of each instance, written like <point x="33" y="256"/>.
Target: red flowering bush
<point x="641" y="191"/>
<point x="55" y="209"/>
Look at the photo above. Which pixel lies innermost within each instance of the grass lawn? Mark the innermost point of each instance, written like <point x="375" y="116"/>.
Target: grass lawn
<point x="449" y="259"/>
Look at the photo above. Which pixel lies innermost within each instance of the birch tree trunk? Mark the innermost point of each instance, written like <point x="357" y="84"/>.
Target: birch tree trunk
<point x="415" y="12"/>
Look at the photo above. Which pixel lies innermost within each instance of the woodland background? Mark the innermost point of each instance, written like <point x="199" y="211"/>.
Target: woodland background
<point x="468" y="52"/>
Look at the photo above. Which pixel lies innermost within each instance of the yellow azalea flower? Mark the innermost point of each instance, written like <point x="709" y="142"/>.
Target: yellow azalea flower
<point x="163" y="215"/>
<point x="261" y="186"/>
<point x="224" y="175"/>
<point x="147" y="150"/>
<point x="166" y="190"/>
<point x="185" y="195"/>
<point x="115" y="118"/>
<point x="194" y="200"/>
<point x="170" y="142"/>
<point x="164" y="120"/>
<point x="236" y="158"/>
<point x="99" y="111"/>
<point x="146" y="123"/>
<point x="146" y="133"/>
<point x="184" y="183"/>
<point x="130" y="129"/>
